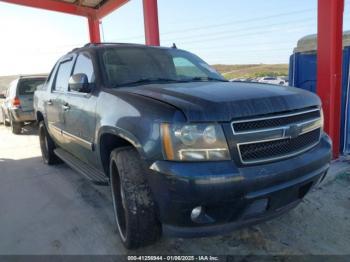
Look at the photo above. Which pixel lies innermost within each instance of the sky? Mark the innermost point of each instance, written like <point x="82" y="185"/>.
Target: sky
<point x="219" y="31"/>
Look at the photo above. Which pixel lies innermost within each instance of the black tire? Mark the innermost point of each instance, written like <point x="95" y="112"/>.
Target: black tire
<point x="134" y="207"/>
<point x="16" y="127"/>
<point x="47" y="146"/>
<point x="6" y="123"/>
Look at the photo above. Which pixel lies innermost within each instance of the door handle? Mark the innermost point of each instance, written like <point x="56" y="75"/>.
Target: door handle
<point x="49" y="102"/>
<point x="66" y="107"/>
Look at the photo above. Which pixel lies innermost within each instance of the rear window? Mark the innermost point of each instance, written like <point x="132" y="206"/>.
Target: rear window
<point x="28" y="86"/>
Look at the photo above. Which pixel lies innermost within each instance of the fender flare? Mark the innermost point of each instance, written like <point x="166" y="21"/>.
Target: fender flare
<point x="122" y="133"/>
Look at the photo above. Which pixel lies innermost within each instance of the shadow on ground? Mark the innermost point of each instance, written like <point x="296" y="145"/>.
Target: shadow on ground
<point x="53" y="210"/>
<point x="27" y="129"/>
<point x="30" y="129"/>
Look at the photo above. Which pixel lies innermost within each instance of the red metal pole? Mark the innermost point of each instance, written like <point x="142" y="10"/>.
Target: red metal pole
<point x="94" y="29"/>
<point x="329" y="65"/>
<point x="150" y="13"/>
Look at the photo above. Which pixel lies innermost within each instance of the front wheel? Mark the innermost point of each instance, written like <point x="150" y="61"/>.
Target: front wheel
<point x="47" y="146"/>
<point x="134" y="208"/>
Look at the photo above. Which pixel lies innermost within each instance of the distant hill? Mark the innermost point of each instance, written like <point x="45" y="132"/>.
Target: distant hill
<point x="252" y="71"/>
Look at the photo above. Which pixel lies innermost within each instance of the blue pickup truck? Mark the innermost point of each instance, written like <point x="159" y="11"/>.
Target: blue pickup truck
<point x="185" y="152"/>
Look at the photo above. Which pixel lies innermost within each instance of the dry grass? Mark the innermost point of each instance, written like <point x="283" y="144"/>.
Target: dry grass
<point x="252" y="71"/>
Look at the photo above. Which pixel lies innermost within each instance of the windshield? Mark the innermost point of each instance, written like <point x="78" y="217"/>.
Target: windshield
<point x="28" y="86"/>
<point x="139" y="65"/>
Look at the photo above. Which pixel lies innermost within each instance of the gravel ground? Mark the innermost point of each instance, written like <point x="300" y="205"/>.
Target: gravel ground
<point x="53" y="210"/>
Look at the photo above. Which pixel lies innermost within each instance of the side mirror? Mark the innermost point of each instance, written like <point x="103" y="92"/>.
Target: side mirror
<point x="79" y="83"/>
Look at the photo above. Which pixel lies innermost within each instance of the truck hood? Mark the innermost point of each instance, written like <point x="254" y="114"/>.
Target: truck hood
<point x="225" y="101"/>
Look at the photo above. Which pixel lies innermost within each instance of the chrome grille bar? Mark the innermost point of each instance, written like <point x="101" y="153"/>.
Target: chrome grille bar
<point x="289" y="131"/>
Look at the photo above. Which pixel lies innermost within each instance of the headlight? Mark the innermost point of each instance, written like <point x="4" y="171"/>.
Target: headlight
<point x="194" y="142"/>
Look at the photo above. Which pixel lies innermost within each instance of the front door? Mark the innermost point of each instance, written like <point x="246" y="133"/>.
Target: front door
<point x="80" y="118"/>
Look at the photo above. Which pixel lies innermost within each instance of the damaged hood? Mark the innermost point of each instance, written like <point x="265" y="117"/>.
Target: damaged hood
<point x="225" y="101"/>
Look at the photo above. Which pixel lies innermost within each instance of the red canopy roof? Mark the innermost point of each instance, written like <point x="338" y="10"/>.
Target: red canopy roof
<point x="95" y="8"/>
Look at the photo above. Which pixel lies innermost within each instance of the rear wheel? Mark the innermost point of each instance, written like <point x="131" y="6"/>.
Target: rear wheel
<point x="134" y="207"/>
<point x="16" y="127"/>
<point x="47" y="146"/>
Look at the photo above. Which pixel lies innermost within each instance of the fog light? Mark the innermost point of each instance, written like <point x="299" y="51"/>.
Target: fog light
<point x="196" y="213"/>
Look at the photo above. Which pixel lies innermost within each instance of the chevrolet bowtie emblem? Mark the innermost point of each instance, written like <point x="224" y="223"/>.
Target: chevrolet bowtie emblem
<point x="293" y="131"/>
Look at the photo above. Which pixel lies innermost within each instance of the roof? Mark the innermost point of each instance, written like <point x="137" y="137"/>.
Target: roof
<point x="308" y="43"/>
<point x="111" y="44"/>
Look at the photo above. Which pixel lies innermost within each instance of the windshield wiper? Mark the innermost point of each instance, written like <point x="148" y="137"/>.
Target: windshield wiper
<point x="168" y="80"/>
<point x="206" y="78"/>
<point x="149" y="81"/>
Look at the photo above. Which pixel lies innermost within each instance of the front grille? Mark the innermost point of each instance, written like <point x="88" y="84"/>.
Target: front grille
<point x="276" y="137"/>
<point x="284" y="147"/>
<point x="275" y="121"/>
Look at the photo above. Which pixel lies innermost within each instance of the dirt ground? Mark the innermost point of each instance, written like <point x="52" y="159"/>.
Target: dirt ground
<point x="53" y="210"/>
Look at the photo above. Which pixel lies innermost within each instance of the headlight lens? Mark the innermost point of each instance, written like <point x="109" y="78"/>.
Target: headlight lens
<point x="209" y="135"/>
<point x="188" y="135"/>
<point x="194" y="142"/>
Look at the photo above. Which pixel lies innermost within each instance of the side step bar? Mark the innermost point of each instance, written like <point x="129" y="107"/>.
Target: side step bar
<point x="91" y="173"/>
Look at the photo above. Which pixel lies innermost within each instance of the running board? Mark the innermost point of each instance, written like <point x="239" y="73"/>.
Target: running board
<point x="91" y="173"/>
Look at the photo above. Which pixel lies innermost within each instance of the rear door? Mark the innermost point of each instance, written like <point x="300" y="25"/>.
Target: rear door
<point x="57" y="100"/>
<point x="80" y="118"/>
<point x="25" y="92"/>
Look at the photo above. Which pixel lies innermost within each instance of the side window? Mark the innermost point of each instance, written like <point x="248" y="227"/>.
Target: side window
<point x="85" y="66"/>
<point x="186" y="68"/>
<point x="50" y="78"/>
<point x="63" y="75"/>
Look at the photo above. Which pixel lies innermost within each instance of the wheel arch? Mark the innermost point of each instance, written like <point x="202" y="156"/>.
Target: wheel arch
<point x="110" y="138"/>
<point x="39" y="116"/>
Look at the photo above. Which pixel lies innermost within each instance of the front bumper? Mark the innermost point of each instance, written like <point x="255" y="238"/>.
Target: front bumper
<point x="19" y="115"/>
<point x="233" y="196"/>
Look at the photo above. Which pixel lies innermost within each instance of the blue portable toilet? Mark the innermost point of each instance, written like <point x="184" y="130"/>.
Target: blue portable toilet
<point x="303" y="74"/>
